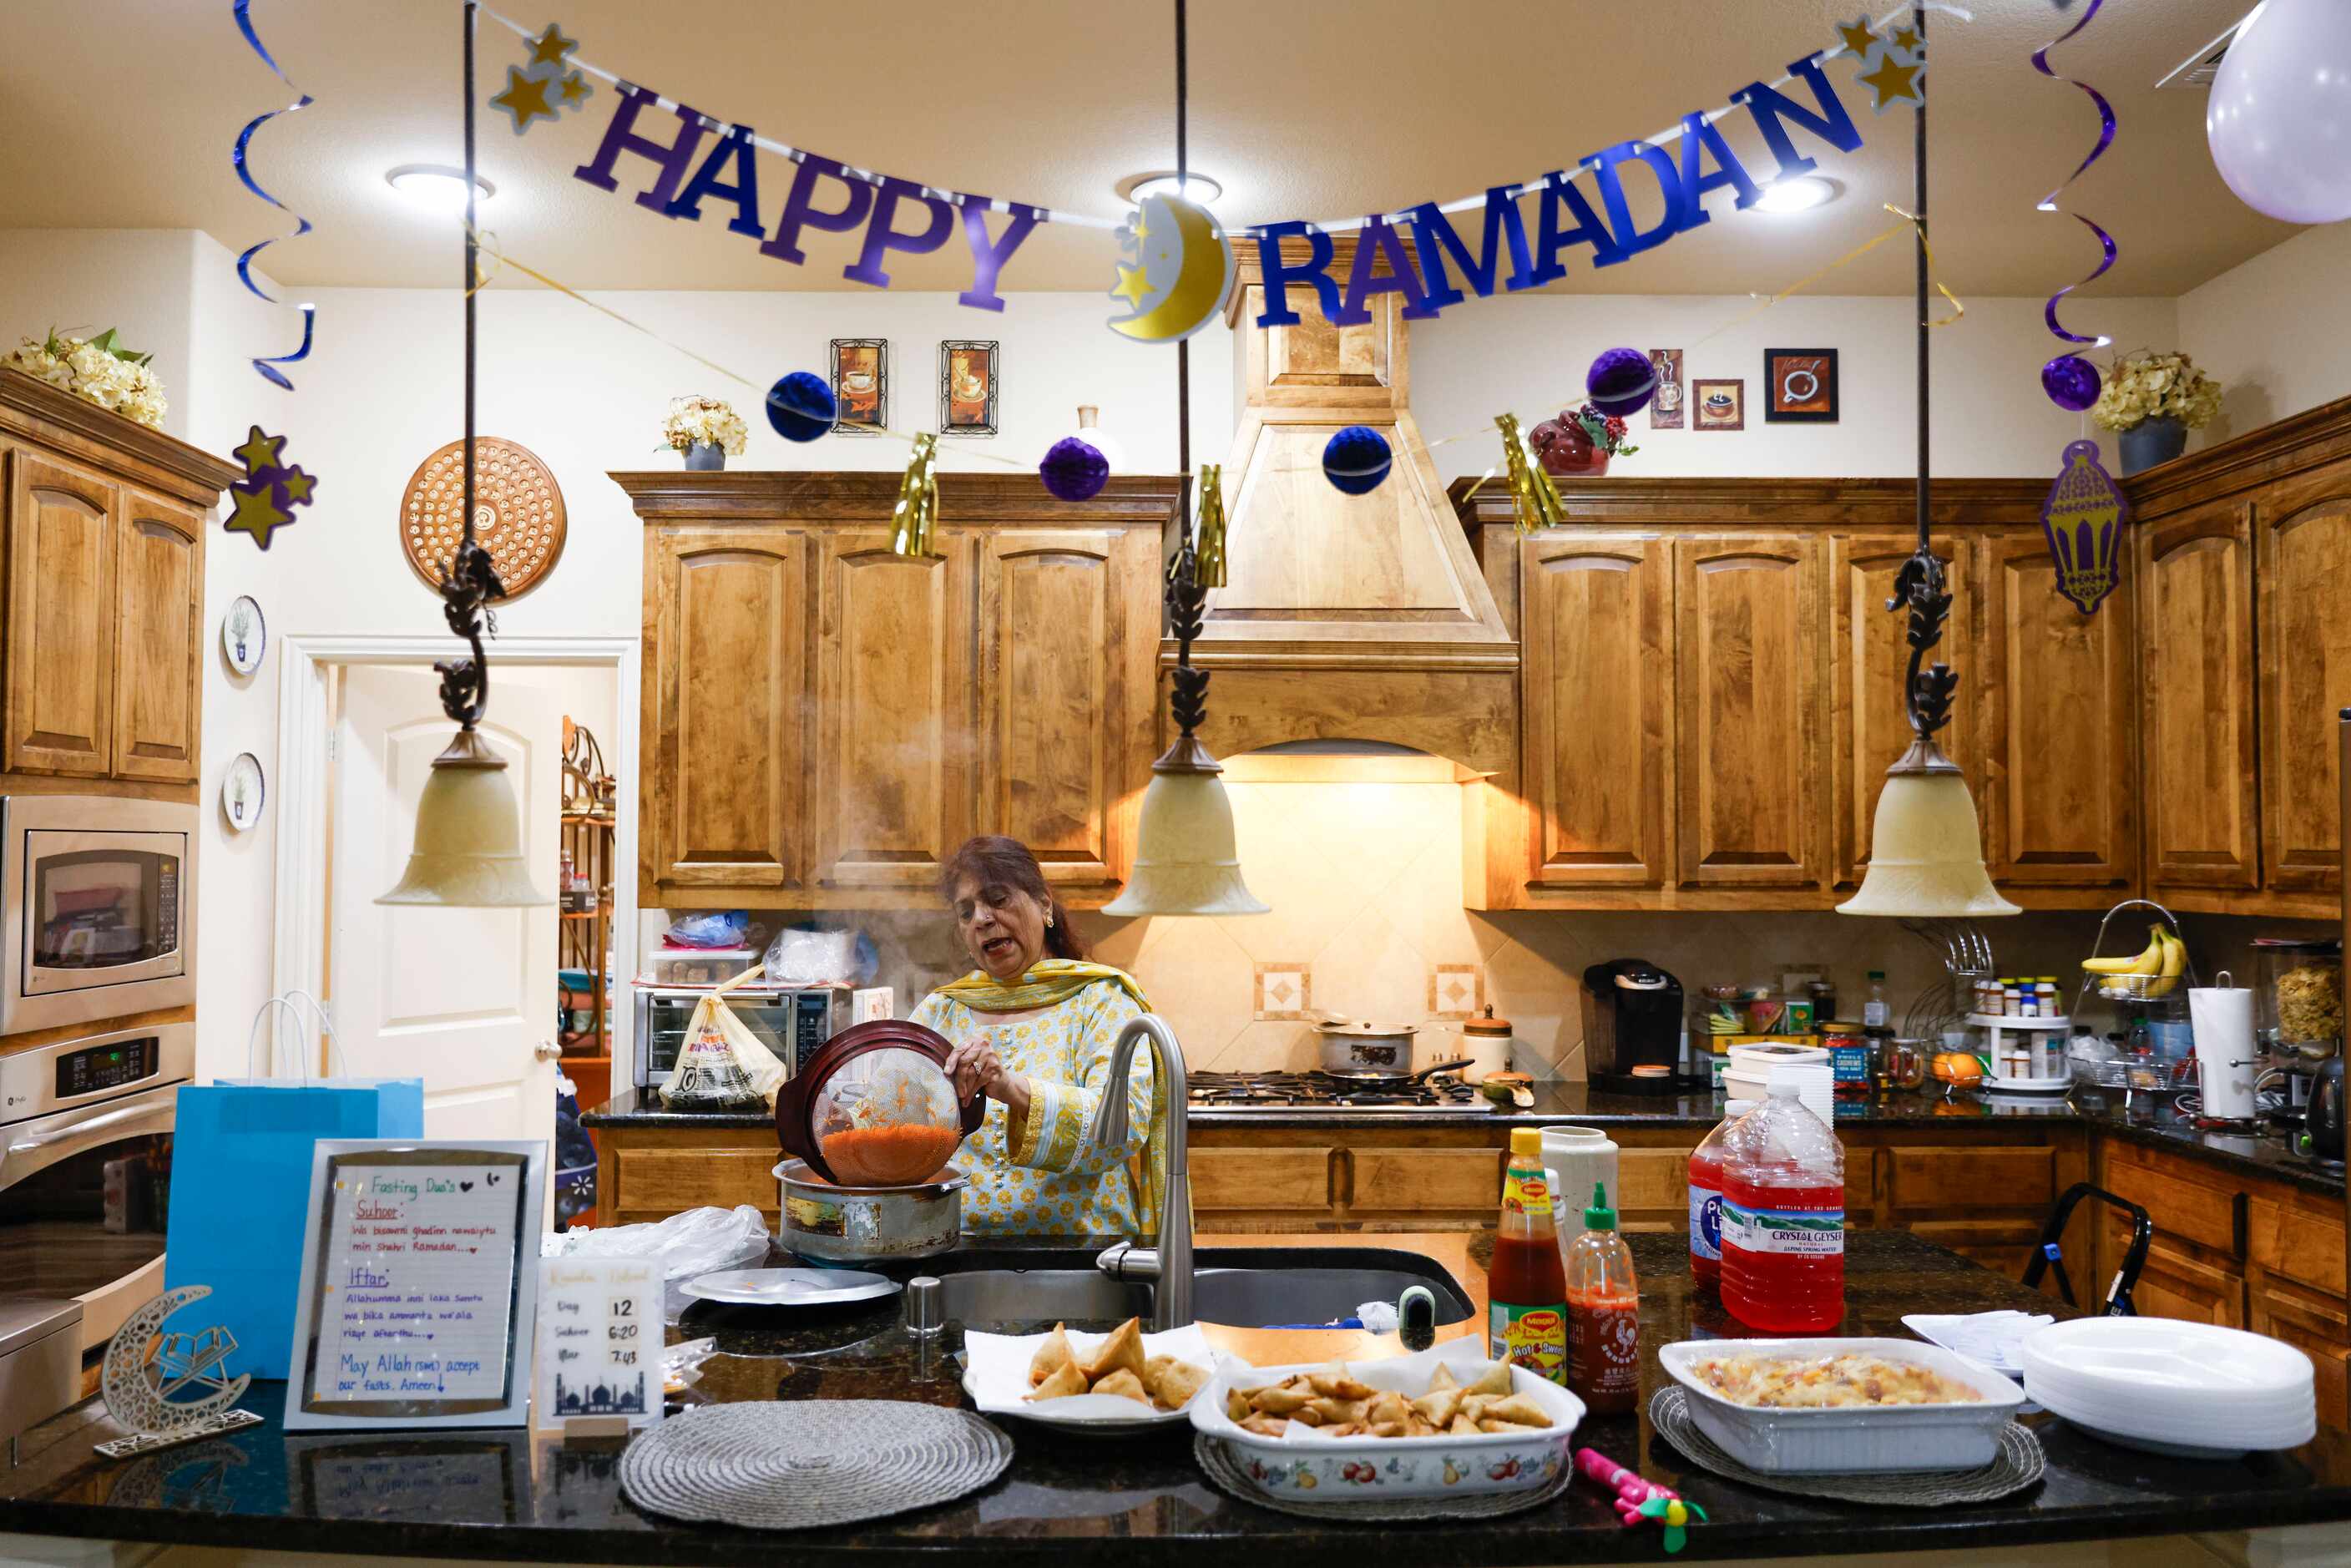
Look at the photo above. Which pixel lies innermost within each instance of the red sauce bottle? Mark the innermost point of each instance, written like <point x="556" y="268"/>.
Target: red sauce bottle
<point x="1526" y="1288"/>
<point x="1604" y="1314"/>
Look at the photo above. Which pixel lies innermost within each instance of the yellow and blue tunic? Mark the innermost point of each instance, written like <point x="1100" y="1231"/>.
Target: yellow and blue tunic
<point x="1053" y="1179"/>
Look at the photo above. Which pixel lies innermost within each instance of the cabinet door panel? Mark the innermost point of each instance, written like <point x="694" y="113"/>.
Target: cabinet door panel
<point x="158" y="632"/>
<point x="2305" y="649"/>
<point x="1869" y="661"/>
<point x="1067" y="649"/>
<point x="1599" y="698"/>
<point x="1747" y="688"/>
<point x="2174" y="1285"/>
<point x="894" y="709"/>
<point x="2059" y="772"/>
<point x="1248" y="1179"/>
<point x="2196" y="716"/>
<point x="725" y="682"/>
<point x="1425" y="1180"/>
<point x="61" y="618"/>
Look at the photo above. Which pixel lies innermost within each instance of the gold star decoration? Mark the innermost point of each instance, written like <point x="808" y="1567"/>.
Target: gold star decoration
<point x="525" y="99"/>
<point x="1906" y="38"/>
<point x="257" y="512"/>
<point x="549" y="47"/>
<point x="574" y="90"/>
<point x="259" y="452"/>
<point x="1857" y="36"/>
<point x="296" y="487"/>
<point x="1892" y="81"/>
<point x="1132" y="286"/>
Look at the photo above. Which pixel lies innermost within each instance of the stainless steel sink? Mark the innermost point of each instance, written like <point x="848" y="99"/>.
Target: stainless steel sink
<point x="1245" y="1287"/>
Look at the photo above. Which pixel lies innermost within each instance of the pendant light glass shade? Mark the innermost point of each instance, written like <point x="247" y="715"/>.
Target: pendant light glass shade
<point x="1184" y="859"/>
<point x="1926" y="848"/>
<point x="469" y="844"/>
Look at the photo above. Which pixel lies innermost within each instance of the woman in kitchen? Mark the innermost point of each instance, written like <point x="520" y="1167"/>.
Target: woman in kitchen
<point x="1033" y="1027"/>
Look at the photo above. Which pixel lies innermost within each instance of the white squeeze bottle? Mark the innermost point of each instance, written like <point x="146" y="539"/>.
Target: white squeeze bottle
<point x="1574" y="1159"/>
<point x="1874" y="1011"/>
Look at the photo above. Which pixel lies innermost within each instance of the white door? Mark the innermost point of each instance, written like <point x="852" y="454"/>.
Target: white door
<point x="464" y="999"/>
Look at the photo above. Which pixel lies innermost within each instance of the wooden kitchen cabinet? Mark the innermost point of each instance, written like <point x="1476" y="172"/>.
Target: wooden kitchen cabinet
<point x="62" y="558"/>
<point x="1869" y="661"/>
<point x="825" y="721"/>
<point x="2195" y="684"/>
<point x="2304" y="640"/>
<point x="1748" y="679"/>
<point x="1596" y="633"/>
<point x="158" y="637"/>
<point x="2060" y="775"/>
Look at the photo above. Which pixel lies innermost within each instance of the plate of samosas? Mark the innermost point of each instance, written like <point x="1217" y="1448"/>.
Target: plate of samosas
<point x="1444" y="1420"/>
<point x="1124" y="1379"/>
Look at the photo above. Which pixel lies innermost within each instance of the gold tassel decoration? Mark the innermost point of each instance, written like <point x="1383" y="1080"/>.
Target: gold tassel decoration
<point x="1534" y="500"/>
<point x="1209" y="563"/>
<point x="918" y="500"/>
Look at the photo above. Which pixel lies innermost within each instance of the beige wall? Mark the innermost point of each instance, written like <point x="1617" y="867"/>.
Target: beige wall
<point x="2273" y="330"/>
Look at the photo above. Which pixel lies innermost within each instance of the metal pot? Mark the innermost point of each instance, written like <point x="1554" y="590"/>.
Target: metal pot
<point x="1352" y="1048"/>
<point x="859" y="1224"/>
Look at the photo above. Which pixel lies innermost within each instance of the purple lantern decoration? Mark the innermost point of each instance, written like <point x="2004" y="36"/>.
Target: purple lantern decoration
<point x="1074" y="470"/>
<point x="2084" y="518"/>
<point x="1621" y="383"/>
<point x="2071" y="382"/>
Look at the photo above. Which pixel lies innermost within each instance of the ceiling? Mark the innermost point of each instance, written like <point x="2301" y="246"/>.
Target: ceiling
<point x="120" y="113"/>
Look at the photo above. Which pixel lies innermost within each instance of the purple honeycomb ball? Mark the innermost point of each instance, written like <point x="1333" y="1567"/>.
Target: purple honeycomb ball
<point x="2071" y="382"/>
<point x="1621" y="383"/>
<point x="1074" y="470"/>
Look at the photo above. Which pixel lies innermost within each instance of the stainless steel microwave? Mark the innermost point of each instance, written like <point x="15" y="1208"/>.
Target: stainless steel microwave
<point x="96" y="908"/>
<point x="793" y="1021"/>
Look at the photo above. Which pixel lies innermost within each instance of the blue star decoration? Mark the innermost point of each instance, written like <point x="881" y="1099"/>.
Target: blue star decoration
<point x="546" y="85"/>
<point x="263" y="502"/>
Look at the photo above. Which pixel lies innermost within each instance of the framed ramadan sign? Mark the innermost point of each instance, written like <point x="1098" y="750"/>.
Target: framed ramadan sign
<point x="967" y="387"/>
<point x="1800" y="386"/>
<point x="419" y="1285"/>
<point x="861" y="385"/>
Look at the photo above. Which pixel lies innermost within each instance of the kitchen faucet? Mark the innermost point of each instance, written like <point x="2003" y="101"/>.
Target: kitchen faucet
<point x="1169" y="1265"/>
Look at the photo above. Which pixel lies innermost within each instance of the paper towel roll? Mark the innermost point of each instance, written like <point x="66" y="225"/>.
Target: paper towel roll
<point x="2222" y="1019"/>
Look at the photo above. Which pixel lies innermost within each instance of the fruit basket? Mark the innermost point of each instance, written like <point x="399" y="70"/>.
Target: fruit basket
<point x="2157" y="976"/>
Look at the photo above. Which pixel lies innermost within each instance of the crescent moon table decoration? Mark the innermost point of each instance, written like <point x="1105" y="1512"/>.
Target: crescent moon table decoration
<point x="146" y="1366"/>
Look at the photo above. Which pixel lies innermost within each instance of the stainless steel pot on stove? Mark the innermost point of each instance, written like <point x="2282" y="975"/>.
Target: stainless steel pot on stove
<point x="1358" y="1048"/>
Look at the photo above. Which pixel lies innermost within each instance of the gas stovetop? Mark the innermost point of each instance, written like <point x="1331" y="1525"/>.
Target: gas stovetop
<point x="1322" y="1093"/>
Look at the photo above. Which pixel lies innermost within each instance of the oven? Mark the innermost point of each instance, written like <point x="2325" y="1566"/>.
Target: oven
<point x="97" y="895"/>
<point x="793" y="1021"/>
<point x="86" y="1168"/>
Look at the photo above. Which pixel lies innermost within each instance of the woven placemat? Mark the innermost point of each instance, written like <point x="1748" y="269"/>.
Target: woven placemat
<point x="1224" y="1468"/>
<point x="775" y="1465"/>
<point x="2018" y="1465"/>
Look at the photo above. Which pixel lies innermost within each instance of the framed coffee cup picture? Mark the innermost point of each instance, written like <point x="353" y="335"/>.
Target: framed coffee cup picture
<point x="861" y="385"/>
<point x="967" y="387"/>
<point x="1800" y="386"/>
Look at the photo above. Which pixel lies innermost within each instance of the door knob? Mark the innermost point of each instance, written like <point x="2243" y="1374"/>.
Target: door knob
<point x="547" y="1051"/>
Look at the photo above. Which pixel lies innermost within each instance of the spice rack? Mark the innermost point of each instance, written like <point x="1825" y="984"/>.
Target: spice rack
<point x="2025" y="1055"/>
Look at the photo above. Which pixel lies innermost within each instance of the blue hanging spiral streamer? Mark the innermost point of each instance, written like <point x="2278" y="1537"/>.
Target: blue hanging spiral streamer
<point x="268" y="365"/>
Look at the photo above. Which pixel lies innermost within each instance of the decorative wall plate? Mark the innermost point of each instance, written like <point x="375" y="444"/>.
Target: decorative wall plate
<point x="244" y="636"/>
<point x="244" y="791"/>
<point x="518" y="513"/>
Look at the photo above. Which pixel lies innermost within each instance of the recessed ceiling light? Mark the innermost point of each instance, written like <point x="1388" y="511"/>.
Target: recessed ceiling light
<point x="1199" y="188"/>
<point x="1798" y="194"/>
<point x="436" y="185"/>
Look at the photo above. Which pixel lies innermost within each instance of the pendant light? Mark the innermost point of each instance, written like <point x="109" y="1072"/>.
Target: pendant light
<point x="469" y="844"/>
<point x="1925" y="845"/>
<point x="1184" y="859"/>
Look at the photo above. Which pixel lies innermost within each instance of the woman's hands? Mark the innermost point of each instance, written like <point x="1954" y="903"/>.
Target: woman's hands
<point x="977" y="1070"/>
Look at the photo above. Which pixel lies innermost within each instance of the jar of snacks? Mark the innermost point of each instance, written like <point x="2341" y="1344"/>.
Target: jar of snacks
<point x="2299" y="994"/>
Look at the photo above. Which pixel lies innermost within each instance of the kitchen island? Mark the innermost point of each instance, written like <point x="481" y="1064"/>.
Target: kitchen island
<point x="1142" y="1502"/>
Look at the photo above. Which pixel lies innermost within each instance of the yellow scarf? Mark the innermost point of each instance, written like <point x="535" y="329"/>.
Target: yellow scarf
<point x="1048" y="983"/>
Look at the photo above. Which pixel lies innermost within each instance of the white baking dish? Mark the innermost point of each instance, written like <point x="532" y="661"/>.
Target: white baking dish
<point x="1333" y="1469"/>
<point x="1956" y="1436"/>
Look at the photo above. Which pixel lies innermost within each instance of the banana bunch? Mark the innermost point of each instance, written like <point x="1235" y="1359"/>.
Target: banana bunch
<point x="2153" y="972"/>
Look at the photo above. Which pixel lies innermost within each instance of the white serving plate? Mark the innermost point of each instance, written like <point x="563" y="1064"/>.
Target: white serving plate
<point x="2163" y="1437"/>
<point x="789" y="1286"/>
<point x="2166" y="1365"/>
<point x="1306" y="1465"/>
<point x="1951" y="1330"/>
<point x="996" y="1375"/>
<point x="1955" y="1436"/>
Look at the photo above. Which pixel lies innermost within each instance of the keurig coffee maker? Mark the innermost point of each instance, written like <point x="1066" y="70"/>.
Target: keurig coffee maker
<point x="1633" y="1028"/>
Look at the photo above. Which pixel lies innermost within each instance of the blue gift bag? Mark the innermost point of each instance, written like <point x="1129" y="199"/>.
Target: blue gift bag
<point x="241" y="1182"/>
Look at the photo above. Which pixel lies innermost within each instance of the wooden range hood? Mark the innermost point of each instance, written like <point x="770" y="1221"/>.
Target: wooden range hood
<point x="1345" y="617"/>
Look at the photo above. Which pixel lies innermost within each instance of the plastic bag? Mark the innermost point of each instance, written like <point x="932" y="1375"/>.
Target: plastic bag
<point x="715" y="928"/>
<point x="697" y="1241"/>
<point x="803" y="958"/>
<point x="721" y="1064"/>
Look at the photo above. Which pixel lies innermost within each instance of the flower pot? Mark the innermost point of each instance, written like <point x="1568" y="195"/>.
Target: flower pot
<point x="2152" y="441"/>
<point x="705" y="457"/>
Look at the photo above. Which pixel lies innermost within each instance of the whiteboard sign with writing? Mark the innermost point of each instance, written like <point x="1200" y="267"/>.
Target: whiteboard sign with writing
<point x="599" y="1339"/>
<point x="419" y="1279"/>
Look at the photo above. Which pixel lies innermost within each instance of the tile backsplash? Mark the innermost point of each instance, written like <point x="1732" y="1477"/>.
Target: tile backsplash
<point x="1361" y="860"/>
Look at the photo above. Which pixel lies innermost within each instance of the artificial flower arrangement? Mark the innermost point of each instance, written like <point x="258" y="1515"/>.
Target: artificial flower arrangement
<point x="98" y="370"/>
<point x="1607" y="432"/>
<point x="2155" y="386"/>
<point x="703" y="421"/>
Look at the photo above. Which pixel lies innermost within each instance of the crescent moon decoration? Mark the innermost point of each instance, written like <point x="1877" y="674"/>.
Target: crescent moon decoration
<point x="1177" y="269"/>
<point x="145" y="1367"/>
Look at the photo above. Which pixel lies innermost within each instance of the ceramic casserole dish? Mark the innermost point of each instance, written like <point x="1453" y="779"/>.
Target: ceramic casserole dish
<point x="1960" y="1435"/>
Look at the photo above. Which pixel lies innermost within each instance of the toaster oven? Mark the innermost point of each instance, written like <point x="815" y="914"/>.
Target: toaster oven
<point x="793" y="1022"/>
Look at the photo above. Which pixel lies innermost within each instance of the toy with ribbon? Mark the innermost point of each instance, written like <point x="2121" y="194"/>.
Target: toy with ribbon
<point x="264" y="500"/>
<point x="2084" y="516"/>
<point x="2071" y="381"/>
<point x="1640" y="1502"/>
<point x="238" y="159"/>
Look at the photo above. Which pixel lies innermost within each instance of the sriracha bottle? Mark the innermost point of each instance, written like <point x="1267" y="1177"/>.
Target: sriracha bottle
<point x="1604" y="1314"/>
<point x="1526" y="1288"/>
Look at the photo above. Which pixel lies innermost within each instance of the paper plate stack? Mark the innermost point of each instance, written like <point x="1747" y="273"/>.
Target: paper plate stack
<point x="2184" y="1388"/>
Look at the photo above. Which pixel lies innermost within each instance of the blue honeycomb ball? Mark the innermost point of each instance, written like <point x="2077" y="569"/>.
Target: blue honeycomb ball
<point x="1356" y="460"/>
<point x="1621" y="383"/>
<point x="801" y="406"/>
<point x="1074" y="470"/>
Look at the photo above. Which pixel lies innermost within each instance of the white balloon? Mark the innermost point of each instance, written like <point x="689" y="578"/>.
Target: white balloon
<point x="2279" y="121"/>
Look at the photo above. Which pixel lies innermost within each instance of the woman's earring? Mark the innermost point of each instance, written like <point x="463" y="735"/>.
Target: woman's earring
<point x="1049" y="920"/>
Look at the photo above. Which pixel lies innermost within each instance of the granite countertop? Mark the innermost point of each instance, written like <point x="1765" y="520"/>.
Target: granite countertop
<point x="1557" y="1102"/>
<point x="1140" y="1502"/>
